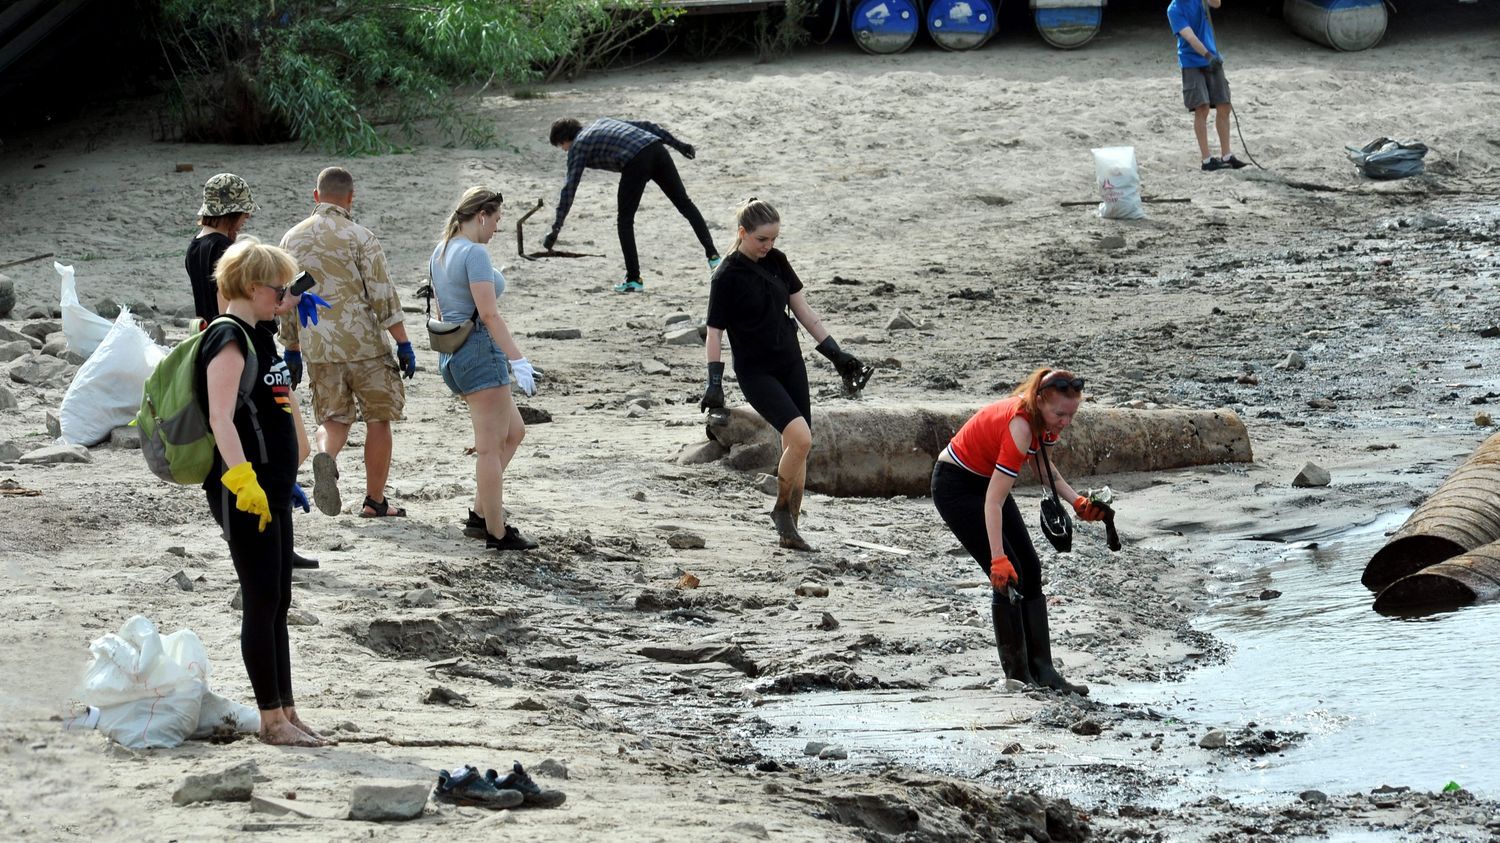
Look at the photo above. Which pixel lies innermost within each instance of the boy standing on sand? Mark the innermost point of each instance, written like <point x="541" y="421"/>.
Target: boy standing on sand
<point x="1203" y="80"/>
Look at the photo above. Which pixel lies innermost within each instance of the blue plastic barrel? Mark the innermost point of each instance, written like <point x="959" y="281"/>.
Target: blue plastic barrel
<point x="1067" y="27"/>
<point x="885" y="26"/>
<point x="960" y="24"/>
<point x="1341" y="24"/>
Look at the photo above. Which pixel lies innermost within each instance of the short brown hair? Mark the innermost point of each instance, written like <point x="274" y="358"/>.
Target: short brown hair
<point x="565" y="129"/>
<point x="249" y="263"/>
<point x="335" y="181"/>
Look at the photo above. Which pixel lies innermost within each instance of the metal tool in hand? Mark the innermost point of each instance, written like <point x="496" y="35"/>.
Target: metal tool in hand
<point x="1111" y="536"/>
<point x="545" y="253"/>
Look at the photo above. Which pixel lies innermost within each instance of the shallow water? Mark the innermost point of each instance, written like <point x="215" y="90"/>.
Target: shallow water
<point x="1381" y="700"/>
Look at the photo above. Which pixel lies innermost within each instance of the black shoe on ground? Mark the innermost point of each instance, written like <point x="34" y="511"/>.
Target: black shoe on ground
<point x="1231" y="161"/>
<point x="300" y="561"/>
<point x="466" y="787"/>
<point x="517" y="779"/>
<point x="1214" y="163"/>
<point x="474" y="527"/>
<point x="512" y="540"/>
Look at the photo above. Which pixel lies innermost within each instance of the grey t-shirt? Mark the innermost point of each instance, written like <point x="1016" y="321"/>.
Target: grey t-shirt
<point x="465" y="262"/>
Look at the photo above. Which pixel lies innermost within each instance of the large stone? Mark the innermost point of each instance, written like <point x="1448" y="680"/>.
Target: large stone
<point x="7" y="296"/>
<point x="126" y="437"/>
<point x="108" y="308"/>
<point x="1310" y="476"/>
<point x="57" y="454"/>
<point x="558" y="334"/>
<point x="683" y="334"/>
<point x="900" y="320"/>
<point x="1215" y="739"/>
<point x="704" y="452"/>
<point x="8" y="399"/>
<point x="40" y="328"/>
<point x="652" y="366"/>
<point x="14" y="350"/>
<point x="53" y="424"/>
<point x="8" y="334"/>
<point x="9" y="451"/>
<point x="533" y="415"/>
<point x="40" y="370"/>
<point x="684" y="540"/>
<point x="382" y="800"/>
<point x="55" y="344"/>
<point x="232" y="785"/>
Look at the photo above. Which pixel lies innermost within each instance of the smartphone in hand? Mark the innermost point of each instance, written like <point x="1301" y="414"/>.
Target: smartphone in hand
<point x="302" y="283"/>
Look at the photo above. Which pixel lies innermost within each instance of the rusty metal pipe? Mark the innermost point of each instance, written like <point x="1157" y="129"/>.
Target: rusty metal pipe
<point x="1463" y="514"/>
<point x="880" y="451"/>
<point x="1473" y="577"/>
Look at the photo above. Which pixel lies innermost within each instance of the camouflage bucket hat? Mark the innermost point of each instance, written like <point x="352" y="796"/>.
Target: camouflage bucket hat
<point x="226" y="193"/>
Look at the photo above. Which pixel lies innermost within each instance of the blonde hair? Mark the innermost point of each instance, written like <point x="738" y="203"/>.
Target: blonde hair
<point x="249" y="263"/>
<point x="476" y="200"/>
<point x="1030" y="391"/>
<point x="753" y="214"/>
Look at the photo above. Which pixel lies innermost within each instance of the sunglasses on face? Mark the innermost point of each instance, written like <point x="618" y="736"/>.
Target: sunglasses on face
<point x="280" y="291"/>
<point x="1063" y="384"/>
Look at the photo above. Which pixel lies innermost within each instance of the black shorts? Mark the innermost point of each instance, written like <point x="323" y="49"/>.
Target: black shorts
<point x="1204" y="86"/>
<point x="779" y="393"/>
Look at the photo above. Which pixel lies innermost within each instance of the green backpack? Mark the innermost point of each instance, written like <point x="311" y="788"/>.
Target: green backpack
<point x="175" y="437"/>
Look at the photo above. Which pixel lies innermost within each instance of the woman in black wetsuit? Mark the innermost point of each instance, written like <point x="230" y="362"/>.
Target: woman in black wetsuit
<point x="259" y="444"/>
<point x="755" y="296"/>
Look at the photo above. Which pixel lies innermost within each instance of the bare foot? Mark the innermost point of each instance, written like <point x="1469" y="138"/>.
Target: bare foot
<point x="309" y="731"/>
<point x="284" y="733"/>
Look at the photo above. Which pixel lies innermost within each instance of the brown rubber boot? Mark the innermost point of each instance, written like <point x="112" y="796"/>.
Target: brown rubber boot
<point x="784" y="515"/>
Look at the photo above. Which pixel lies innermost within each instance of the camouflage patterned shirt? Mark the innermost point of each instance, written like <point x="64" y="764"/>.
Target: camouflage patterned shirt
<point x="350" y="267"/>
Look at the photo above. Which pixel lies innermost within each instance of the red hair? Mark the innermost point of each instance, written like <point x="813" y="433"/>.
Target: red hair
<point x="1030" y="391"/>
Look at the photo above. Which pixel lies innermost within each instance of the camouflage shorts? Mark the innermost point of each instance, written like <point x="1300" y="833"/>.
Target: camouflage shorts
<point x="374" y="384"/>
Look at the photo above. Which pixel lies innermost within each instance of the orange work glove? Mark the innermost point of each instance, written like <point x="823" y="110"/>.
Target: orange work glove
<point x="1087" y="509"/>
<point x="1002" y="573"/>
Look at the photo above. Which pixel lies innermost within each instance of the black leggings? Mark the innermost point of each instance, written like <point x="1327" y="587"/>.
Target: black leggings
<point x="653" y="163"/>
<point x="778" y="393"/>
<point x="959" y="496"/>
<point x="263" y="562"/>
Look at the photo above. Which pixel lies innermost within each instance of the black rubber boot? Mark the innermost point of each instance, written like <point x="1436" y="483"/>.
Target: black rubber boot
<point x="784" y="516"/>
<point x="1039" y="648"/>
<point x="1010" y="638"/>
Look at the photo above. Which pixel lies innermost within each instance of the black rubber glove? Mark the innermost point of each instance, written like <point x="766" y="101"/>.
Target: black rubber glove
<point x="846" y="364"/>
<point x="713" y="394"/>
<point x="1214" y="61"/>
<point x="687" y="151"/>
<point x="549" y="241"/>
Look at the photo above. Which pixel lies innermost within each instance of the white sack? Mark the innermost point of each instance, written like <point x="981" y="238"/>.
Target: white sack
<point x="84" y="328"/>
<point x="1119" y="183"/>
<point x="107" y="390"/>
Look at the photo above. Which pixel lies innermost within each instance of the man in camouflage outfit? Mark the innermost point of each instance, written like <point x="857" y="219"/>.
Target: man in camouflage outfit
<point x="348" y="358"/>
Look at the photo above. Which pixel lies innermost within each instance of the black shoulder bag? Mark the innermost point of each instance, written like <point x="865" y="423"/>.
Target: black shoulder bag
<point x="1057" y="525"/>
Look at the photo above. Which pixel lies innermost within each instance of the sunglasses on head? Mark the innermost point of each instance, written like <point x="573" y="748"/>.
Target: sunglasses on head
<point x="1062" y="383"/>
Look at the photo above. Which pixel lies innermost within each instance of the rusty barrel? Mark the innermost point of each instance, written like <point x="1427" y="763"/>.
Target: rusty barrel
<point x="1464" y="513"/>
<point x="863" y="450"/>
<point x="1473" y="577"/>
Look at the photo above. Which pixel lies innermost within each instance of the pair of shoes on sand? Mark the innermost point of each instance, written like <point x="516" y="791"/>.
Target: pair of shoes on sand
<point x="465" y="786"/>
<point x="1228" y="162"/>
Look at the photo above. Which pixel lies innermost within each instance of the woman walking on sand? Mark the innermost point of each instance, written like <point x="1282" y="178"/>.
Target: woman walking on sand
<point x="258" y="445"/>
<point x="467" y="287"/>
<point x="971" y="486"/>
<point x="755" y="296"/>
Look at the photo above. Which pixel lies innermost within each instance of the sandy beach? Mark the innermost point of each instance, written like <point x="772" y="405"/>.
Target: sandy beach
<point x="929" y="182"/>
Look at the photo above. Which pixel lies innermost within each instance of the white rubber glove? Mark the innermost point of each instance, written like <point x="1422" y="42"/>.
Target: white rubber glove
<point x="525" y="375"/>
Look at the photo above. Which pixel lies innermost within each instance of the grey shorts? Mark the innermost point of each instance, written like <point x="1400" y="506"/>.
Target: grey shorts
<point x="1202" y="86"/>
<point x="477" y="364"/>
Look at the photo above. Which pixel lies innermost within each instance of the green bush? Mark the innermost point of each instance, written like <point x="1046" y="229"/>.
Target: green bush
<point x="353" y="75"/>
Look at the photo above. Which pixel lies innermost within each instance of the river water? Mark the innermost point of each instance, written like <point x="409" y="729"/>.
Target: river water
<point x="1381" y="700"/>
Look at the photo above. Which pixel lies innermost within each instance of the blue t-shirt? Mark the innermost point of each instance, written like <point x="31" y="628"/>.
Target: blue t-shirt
<point x="1191" y="14"/>
<point x="465" y="262"/>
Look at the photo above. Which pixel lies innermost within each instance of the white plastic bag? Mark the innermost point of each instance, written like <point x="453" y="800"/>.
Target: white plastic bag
<point x="1119" y="183"/>
<point x="84" y="328"/>
<point x="106" y="392"/>
<point x="148" y="689"/>
<point x="219" y="711"/>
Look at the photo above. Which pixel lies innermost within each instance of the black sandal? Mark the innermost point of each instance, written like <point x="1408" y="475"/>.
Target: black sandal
<point x="381" y="509"/>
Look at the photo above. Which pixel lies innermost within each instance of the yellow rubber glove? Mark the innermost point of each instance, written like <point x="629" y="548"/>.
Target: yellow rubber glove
<point x="248" y="495"/>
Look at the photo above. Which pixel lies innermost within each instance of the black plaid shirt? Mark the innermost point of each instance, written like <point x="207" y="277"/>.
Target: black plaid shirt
<point x="606" y="144"/>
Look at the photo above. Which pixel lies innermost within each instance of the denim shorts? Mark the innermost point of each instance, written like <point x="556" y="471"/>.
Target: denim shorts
<point x="477" y="364"/>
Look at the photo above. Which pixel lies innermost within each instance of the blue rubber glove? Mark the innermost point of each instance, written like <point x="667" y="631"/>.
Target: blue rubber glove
<point x="307" y="308"/>
<point x="1215" y="61"/>
<point x="299" y="498"/>
<point x="407" y="358"/>
<point x="293" y="366"/>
